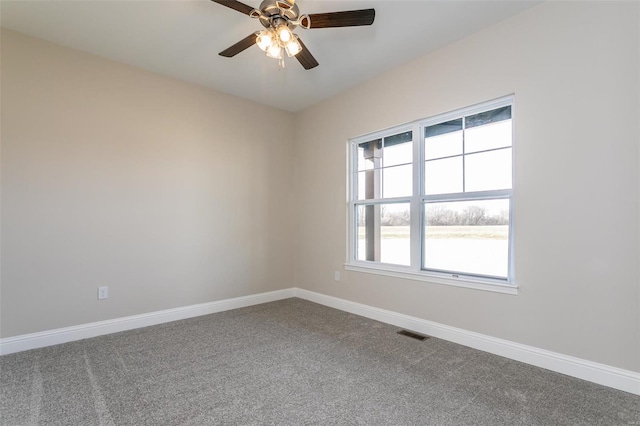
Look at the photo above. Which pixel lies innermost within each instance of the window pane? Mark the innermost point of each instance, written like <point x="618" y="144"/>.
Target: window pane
<point x="383" y="233"/>
<point x="369" y="184"/>
<point x="443" y="176"/>
<point x="362" y="164"/>
<point x="400" y="153"/>
<point x="486" y="117"/>
<point x="397" y="181"/>
<point x="366" y="184"/>
<point x="468" y="237"/>
<point x="369" y="154"/>
<point x="445" y="145"/>
<point x="398" y="138"/>
<point x="360" y="184"/>
<point x="442" y="128"/>
<point x="396" y="243"/>
<point x="488" y="170"/>
<point x="361" y="226"/>
<point x="494" y="135"/>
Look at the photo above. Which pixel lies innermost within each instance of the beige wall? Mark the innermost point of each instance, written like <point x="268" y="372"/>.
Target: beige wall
<point x="169" y="193"/>
<point x="574" y="69"/>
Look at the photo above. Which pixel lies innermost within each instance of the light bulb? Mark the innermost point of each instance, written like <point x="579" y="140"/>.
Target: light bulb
<point x="293" y="47"/>
<point x="264" y="40"/>
<point x="284" y="33"/>
<point x="274" y="51"/>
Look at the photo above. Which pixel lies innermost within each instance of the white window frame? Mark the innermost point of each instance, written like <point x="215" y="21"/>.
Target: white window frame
<point x="416" y="200"/>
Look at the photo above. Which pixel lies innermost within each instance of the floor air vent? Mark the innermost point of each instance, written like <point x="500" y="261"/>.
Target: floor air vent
<point x="413" y="335"/>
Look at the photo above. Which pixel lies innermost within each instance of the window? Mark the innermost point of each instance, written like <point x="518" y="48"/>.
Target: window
<point x="433" y="199"/>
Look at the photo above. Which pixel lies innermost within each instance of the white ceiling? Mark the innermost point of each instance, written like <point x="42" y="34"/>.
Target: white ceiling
<point x="182" y="38"/>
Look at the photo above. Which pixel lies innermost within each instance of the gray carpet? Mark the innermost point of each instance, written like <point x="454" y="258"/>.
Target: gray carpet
<point x="290" y="362"/>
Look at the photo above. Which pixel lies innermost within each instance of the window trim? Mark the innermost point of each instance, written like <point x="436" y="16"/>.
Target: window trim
<point x="397" y="271"/>
<point x="417" y="200"/>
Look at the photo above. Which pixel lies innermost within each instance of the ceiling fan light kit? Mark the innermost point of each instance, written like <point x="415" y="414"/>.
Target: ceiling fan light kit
<point x="277" y="38"/>
<point x="280" y="18"/>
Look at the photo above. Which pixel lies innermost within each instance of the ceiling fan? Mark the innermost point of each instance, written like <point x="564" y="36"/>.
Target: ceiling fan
<point x="280" y="18"/>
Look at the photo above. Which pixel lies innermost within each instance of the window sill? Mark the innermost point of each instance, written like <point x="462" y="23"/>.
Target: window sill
<point x="390" y="271"/>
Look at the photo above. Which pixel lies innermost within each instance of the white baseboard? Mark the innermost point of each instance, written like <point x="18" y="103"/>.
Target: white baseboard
<point x="84" y="331"/>
<point x="613" y="377"/>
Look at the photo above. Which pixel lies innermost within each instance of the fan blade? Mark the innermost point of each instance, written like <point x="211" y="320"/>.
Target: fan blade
<point x="243" y="44"/>
<point x="305" y="57"/>
<point x="349" y="18"/>
<point x="235" y="5"/>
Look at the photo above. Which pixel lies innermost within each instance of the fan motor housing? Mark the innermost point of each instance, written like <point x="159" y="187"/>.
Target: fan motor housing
<point x="287" y="10"/>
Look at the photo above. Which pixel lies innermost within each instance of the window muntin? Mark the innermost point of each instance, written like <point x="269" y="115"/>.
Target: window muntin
<point x="460" y="164"/>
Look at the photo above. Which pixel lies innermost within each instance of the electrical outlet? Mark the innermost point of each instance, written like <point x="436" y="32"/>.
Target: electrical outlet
<point x="336" y="275"/>
<point x="103" y="292"/>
